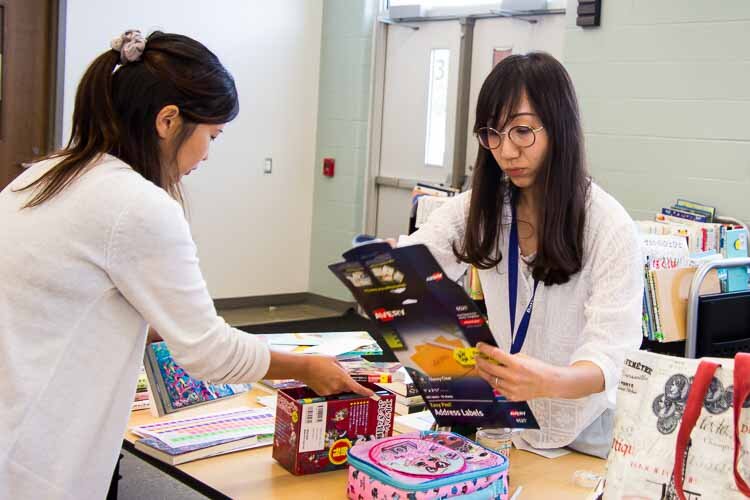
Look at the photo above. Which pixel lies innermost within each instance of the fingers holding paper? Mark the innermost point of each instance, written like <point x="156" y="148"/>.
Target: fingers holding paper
<point x="516" y="376"/>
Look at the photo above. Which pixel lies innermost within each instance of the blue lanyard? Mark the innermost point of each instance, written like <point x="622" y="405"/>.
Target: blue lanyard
<point x="523" y="327"/>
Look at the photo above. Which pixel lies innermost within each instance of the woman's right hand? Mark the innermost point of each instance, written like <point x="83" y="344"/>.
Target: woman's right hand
<point x="325" y="376"/>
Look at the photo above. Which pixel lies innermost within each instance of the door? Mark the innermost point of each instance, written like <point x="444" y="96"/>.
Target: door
<point x="27" y="41"/>
<point x="496" y="38"/>
<point x="421" y="93"/>
<point x="419" y="109"/>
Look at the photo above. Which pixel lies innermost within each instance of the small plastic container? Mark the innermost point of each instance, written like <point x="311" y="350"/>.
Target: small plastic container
<point x="498" y="440"/>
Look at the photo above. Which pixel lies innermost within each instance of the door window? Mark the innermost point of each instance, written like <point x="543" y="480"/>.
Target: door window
<point x="437" y="108"/>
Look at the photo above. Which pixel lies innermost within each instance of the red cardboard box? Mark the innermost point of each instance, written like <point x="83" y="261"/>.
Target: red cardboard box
<point x="314" y="434"/>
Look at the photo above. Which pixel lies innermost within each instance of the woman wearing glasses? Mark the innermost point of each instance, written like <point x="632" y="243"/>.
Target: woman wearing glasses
<point x="558" y="257"/>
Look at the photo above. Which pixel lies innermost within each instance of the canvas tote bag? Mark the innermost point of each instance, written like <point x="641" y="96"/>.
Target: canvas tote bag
<point x="680" y="429"/>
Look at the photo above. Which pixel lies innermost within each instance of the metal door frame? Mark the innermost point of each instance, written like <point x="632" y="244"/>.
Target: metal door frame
<point x="373" y="181"/>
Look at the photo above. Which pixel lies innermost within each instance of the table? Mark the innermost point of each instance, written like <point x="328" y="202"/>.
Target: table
<point x="253" y="474"/>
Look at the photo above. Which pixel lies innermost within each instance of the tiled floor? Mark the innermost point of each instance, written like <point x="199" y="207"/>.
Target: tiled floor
<point x="141" y="480"/>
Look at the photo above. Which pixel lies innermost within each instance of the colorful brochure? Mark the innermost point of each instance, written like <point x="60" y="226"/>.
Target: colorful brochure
<point x="431" y="325"/>
<point x="173" y="388"/>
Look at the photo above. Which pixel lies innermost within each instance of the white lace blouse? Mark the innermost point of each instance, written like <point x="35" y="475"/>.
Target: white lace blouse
<point x="593" y="317"/>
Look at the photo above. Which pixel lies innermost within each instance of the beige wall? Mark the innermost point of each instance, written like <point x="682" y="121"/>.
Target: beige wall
<point x="253" y="231"/>
<point x="345" y="64"/>
<point x="665" y="96"/>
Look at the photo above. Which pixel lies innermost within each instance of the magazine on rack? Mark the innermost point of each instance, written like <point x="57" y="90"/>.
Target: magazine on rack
<point x="431" y="325"/>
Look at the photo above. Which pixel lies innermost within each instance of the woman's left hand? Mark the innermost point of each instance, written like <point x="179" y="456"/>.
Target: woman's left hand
<point x="517" y="377"/>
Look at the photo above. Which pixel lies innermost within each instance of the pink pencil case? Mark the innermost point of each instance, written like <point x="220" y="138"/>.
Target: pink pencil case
<point x="424" y="466"/>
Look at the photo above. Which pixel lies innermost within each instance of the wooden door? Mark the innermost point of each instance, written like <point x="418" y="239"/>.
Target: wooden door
<point x="28" y="37"/>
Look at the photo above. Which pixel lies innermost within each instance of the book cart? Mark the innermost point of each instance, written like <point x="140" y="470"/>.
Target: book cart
<point x="718" y="325"/>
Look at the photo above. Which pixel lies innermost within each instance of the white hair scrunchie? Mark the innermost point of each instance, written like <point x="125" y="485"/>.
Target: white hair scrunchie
<point x="130" y="45"/>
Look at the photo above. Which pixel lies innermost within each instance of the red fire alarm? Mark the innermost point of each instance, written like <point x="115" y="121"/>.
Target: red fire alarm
<point x="329" y="165"/>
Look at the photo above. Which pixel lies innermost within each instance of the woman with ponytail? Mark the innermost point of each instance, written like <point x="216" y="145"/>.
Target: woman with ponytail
<point x="95" y="248"/>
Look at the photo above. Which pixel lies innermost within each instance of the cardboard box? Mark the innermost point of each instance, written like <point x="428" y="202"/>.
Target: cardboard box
<point x="314" y="434"/>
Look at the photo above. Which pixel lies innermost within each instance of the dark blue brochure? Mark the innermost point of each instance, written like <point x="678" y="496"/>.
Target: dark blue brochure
<point x="431" y="325"/>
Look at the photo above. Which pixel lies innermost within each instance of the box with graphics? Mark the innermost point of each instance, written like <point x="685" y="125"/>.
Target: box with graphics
<point x="314" y="434"/>
<point x="431" y="325"/>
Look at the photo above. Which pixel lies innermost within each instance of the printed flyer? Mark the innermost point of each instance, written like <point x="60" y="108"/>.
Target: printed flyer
<point x="431" y="325"/>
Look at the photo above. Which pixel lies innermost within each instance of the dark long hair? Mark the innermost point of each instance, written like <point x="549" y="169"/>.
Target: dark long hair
<point x="116" y="108"/>
<point x="563" y="181"/>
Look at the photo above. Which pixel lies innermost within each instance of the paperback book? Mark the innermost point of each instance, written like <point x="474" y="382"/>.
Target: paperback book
<point x="172" y="389"/>
<point x="378" y="372"/>
<point x="403" y="387"/>
<point x="206" y="430"/>
<point x="141" y="400"/>
<point x="360" y="369"/>
<point x="413" y="422"/>
<point x="183" y="454"/>
<point x="432" y="326"/>
<point x="184" y="440"/>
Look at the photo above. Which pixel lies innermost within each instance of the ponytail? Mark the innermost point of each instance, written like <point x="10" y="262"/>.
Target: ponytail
<point x="119" y="98"/>
<point x="95" y="129"/>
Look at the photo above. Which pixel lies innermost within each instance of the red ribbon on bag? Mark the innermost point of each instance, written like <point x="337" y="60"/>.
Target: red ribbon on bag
<point x="741" y="392"/>
<point x="693" y="407"/>
<point x="698" y="389"/>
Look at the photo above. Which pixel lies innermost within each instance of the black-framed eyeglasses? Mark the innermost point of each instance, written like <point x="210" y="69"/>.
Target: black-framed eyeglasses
<point x="520" y="135"/>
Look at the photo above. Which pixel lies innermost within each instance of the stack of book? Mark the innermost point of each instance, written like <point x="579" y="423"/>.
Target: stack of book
<point x="682" y="237"/>
<point x="142" y="393"/>
<point x="414" y="422"/>
<point x="665" y="300"/>
<point x="358" y="368"/>
<point x="408" y="399"/>
<point x="184" y="440"/>
<point x="695" y="222"/>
